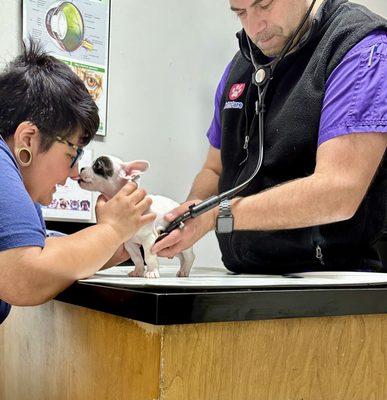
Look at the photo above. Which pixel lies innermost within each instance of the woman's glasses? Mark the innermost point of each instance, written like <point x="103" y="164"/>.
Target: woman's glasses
<point x="74" y="159"/>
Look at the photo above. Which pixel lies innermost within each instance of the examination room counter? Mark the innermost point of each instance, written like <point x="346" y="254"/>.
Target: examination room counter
<point x="104" y="342"/>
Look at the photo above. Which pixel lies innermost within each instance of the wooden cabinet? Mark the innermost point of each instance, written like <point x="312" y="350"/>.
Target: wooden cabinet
<point x="62" y="351"/>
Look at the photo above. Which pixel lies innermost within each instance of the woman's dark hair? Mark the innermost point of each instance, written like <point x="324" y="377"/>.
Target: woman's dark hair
<point x="39" y="88"/>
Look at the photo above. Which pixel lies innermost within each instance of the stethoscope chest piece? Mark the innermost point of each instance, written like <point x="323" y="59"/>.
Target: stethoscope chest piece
<point x="262" y="75"/>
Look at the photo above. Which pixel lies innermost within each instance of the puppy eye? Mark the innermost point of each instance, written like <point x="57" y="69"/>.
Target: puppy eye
<point x="101" y="169"/>
<point x="98" y="167"/>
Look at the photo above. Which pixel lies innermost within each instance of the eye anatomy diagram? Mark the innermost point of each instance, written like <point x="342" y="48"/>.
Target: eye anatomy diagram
<point x="77" y="33"/>
<point x="65" y="25"/>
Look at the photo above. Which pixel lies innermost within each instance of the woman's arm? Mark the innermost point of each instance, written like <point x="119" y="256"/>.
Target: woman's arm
<point x="32" y="275"/>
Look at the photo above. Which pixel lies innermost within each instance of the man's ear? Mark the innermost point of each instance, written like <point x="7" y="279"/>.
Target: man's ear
<point x="129" y="170"/>
<point x="27" y="135"/>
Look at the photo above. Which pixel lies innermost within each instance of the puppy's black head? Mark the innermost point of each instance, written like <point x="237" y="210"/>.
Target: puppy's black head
<point x="103" y="167"/>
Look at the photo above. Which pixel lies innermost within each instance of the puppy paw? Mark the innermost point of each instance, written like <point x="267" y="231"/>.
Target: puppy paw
<point x="182" y="273"/>
<point x="136" y="274"/>
<point x="152" y="274"/>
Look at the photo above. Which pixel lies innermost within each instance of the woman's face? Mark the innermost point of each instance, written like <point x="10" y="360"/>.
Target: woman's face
<point x="49" y="169"/>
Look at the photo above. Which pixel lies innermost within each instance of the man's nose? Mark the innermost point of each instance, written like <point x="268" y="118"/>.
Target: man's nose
<point x="255" y="24"/>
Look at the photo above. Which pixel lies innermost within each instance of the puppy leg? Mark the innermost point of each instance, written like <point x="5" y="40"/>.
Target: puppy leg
<point x="135" y="254"/>
<point x="151" y="260"/>
<point x="186" y="258"/>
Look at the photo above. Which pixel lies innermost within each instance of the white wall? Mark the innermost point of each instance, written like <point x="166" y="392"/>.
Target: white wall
<point x="377" y="6"/>
<point x="10" y="29"/>
<point x="166" y="59"/>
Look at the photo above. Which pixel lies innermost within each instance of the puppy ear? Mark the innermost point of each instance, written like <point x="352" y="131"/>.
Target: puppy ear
<point x="130" y="170"/>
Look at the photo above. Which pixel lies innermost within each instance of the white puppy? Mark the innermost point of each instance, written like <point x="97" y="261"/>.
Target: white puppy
<point x="108" y="175"/>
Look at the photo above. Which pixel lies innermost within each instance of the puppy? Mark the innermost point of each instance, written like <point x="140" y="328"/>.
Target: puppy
<point x="108" y="175"/>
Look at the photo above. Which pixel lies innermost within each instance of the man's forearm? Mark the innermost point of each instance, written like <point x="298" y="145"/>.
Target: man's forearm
<point x="296" y="204"/>
<point x="345" y="167"/>
<point x="205" y="185"/>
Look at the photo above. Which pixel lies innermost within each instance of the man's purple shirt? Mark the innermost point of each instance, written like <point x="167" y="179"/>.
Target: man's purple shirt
<point x="355" y="95"/>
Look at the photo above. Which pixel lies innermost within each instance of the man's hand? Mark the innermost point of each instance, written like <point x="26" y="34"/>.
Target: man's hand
<point x="181" y="239"/>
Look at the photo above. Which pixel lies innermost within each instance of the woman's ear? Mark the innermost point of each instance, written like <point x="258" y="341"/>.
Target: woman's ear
<point x="27" y="135"/>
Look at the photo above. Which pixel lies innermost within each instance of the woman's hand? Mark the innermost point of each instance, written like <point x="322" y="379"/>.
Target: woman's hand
<point x="125" y="212"/>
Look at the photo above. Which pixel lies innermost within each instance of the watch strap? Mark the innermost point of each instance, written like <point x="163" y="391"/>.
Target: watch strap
<point x="225" y="208"/>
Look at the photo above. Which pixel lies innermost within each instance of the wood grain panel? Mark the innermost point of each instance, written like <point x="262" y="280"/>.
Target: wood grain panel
<point x="59" y="351"/>
<point x="340" y="358"/>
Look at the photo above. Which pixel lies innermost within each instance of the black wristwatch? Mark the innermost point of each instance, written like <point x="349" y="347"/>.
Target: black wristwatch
<point x="225" y="220"/>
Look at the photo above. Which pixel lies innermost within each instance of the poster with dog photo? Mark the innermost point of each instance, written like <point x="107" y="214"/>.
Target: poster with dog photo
<point x="76" y="32"/>
<point x="70" y="202"/>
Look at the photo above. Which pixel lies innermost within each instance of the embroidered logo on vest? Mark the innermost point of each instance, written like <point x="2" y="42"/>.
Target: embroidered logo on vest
<point x="233" y="104"/>
<point x="236" y="91"/>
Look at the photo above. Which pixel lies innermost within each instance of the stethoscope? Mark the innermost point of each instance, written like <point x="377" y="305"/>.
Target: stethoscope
<point x="261" y="78"/>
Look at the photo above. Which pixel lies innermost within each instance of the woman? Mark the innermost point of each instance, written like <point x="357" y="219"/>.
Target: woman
<point x="46" y="118"/>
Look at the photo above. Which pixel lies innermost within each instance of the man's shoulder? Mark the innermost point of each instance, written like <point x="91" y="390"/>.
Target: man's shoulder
<point x="357" y="12"/>
<point x="239" y="65"/>
<point x="239" y="58"/>
<point x="376" y="39"/>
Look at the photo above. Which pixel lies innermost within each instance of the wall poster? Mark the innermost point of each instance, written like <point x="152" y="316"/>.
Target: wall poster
<point x="76" y="32"/>
<point x="70" y="202"/>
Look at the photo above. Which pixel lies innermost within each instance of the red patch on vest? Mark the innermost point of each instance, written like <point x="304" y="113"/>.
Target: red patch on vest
<point x="236" y="90"/>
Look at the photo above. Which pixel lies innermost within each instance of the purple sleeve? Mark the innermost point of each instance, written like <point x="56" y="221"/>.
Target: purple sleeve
<point x="5" y="308"/>
<point x="214" y="133"/>
<point x="356" y="92"/>
<point x="21" y="222"/>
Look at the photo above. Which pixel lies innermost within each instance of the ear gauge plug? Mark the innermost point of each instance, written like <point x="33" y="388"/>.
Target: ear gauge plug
<point x="22" y="160"/>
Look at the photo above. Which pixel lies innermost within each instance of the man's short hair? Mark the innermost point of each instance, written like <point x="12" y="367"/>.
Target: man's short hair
<point x="39" y="88"/>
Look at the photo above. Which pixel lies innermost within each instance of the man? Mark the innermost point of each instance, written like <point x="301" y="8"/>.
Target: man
<point x="319" y="200"/>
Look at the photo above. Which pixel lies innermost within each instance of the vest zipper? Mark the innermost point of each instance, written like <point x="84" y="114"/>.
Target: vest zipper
<point x="317" y="242"/>
<point x="319" y="254"/>
<point x="247" y="129"/>
<point x="246" y="144"/>
<point x="245" y="147"/>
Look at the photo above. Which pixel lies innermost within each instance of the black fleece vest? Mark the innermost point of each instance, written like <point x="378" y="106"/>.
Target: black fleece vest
<point x="294" y="101"/>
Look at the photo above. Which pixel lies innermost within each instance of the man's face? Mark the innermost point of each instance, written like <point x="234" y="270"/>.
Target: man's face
<point x="269" y="23"/>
